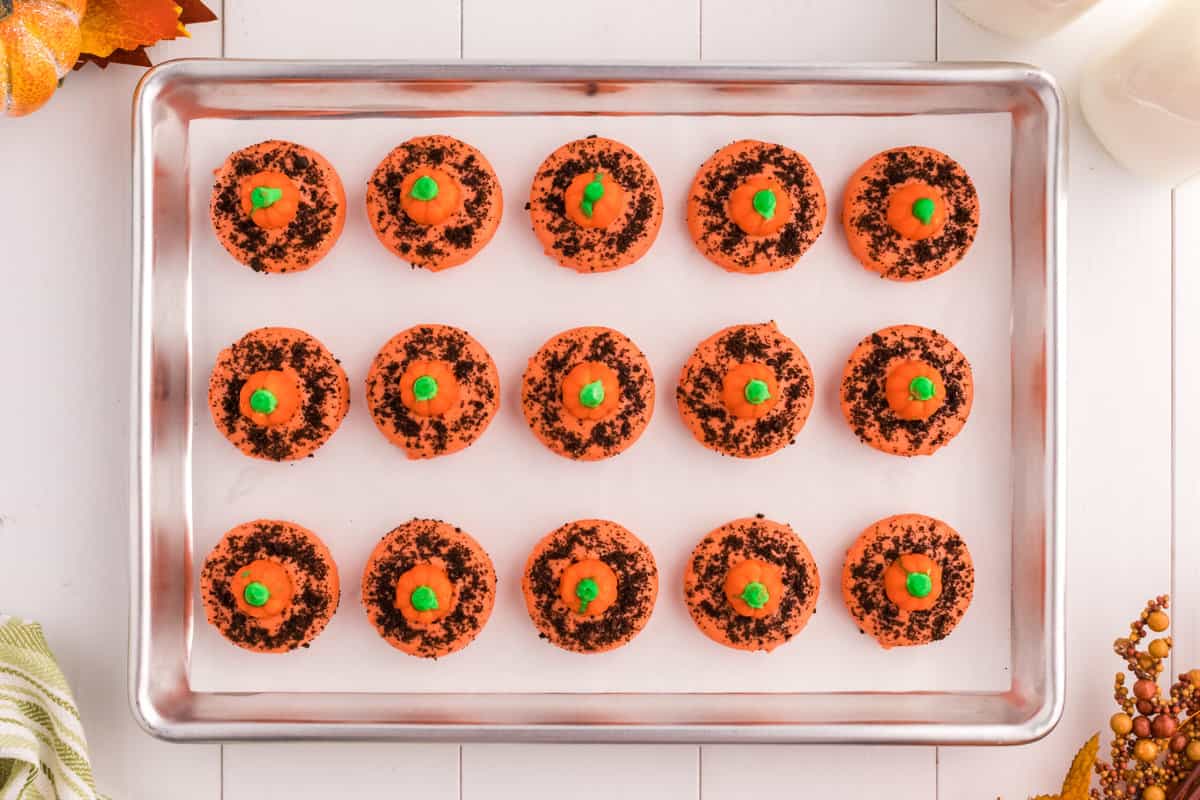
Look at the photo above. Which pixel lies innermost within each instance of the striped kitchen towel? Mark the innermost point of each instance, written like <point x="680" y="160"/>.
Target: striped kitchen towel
<point x="43" y="753"/>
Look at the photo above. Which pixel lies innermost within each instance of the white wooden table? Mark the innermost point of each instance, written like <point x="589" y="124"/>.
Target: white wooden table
<point x="64" y="345"/>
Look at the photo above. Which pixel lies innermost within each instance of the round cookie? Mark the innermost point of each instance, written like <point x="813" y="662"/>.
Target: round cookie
<point x="908" y="580"/>
<point x="910" y="213"/>
<point x="907" y="390"/>
<point x="269" y="586"/>
<point x="595" y="205"/>
<point x="590" y="586"/>
<point x="277" y="206"/>
<point x="277" y="394"/>
<point x="755" y="207"/>
<point x="434" y="201"/>
<point x="428" y="588"/>
<point x="588" y="393"/>
<point x="432" y="390"/>
<point x="751" y="584"/>
<point x="746" y="391"/>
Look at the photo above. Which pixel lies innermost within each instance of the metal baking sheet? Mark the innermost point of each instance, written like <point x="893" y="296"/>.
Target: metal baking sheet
<point x="998" y="678"/>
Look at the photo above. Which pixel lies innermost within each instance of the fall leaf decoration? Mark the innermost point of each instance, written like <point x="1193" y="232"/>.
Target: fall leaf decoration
<point x="119" y="31"/>
<point x="40" y="41"/>
<point x="1079" y="776"/>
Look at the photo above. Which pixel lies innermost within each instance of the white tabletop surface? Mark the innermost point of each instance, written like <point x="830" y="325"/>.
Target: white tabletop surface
<point x="1134" y="464"/>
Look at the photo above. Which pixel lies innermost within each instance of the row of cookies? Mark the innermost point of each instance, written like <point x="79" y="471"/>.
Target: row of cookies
<point x="587" y="393"/>
<point x="590" y="586"/>
<point x="909" y="213"/>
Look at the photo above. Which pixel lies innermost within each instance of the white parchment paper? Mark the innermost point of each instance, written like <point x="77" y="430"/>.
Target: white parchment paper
<point x="508" y="490"/>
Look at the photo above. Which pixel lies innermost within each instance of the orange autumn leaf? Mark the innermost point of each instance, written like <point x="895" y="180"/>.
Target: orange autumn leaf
<point x="112" y="25"/>
<point x="194" y="11"/>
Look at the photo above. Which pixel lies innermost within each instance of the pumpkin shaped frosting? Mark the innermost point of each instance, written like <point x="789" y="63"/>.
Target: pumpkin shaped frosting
<point x="594" y="199"/>
<point x="424" y="594"/>
<point x="429" y="196"/>
<point x="915" y="390"/>
<point x="913" y="582"/>
<point x="589" y="586"/>
<point x="270" y="199"/>
<point x="754" y="588"/>
<point x="428" y="388"/>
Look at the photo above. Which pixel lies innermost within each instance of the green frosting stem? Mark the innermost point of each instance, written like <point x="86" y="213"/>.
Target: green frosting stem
<point x="423" y="598"/>
<point x="923" y="210"/>
<point x="587" y="591"/>
<point x="425" y="387"/>
<point x="592" y="394"/>
<point x="256" y="594"/>
<point x="755" y="594"/>
<point x="592" y="192"/>
<point x="425" y="188"/>
<point x="756" y="392"/>
<point x="764" y="203"/>
<point x="918" y="584"/>
<point x="264" y="197"/>
<point x="921" y="388"/>
<point x="263" y="401"/>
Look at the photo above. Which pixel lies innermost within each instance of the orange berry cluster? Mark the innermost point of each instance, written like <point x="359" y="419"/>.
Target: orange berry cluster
<point x="1156" y="736"/>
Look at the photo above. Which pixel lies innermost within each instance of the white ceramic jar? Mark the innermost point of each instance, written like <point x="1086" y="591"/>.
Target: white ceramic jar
<point x="1143" y="98"/>
<point x="1023" y="19"/>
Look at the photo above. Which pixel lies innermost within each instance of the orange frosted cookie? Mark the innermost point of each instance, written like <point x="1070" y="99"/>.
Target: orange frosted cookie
<point x="277" y="206"/>
<point x="746" y="391"/>
<point x="907" y="390"/>
<point x="277" y="394"/>
<point x="590" y="586"/>
<point x="907" y="580"/>
<point x="910" y="213"/>
<point x="433" y="390"/>
<point x="269" y="586"/>
<point x="595" y="205"/>
<point x="751" y="584"/>
<point x="434" y="201"/>
<point x="588" y="393"/>
<point x="428" y="588"/>
<point x="755" y="207"/>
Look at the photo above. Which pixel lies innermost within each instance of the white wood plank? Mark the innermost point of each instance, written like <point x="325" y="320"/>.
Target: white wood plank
<point x="818" y="30"/>
<point x="64" y="326"/>
<point x="421" y="30"/>
<point x="1185" y="588"/>
<point x="1119" y="455"/>
<point x="553" y="30"/>
<point x="581" y="772"/>
<point x="898" y="773"/>
<point x="319" y="771"/>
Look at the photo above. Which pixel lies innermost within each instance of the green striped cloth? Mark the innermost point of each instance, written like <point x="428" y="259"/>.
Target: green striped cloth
<point x="43" y="754"/>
